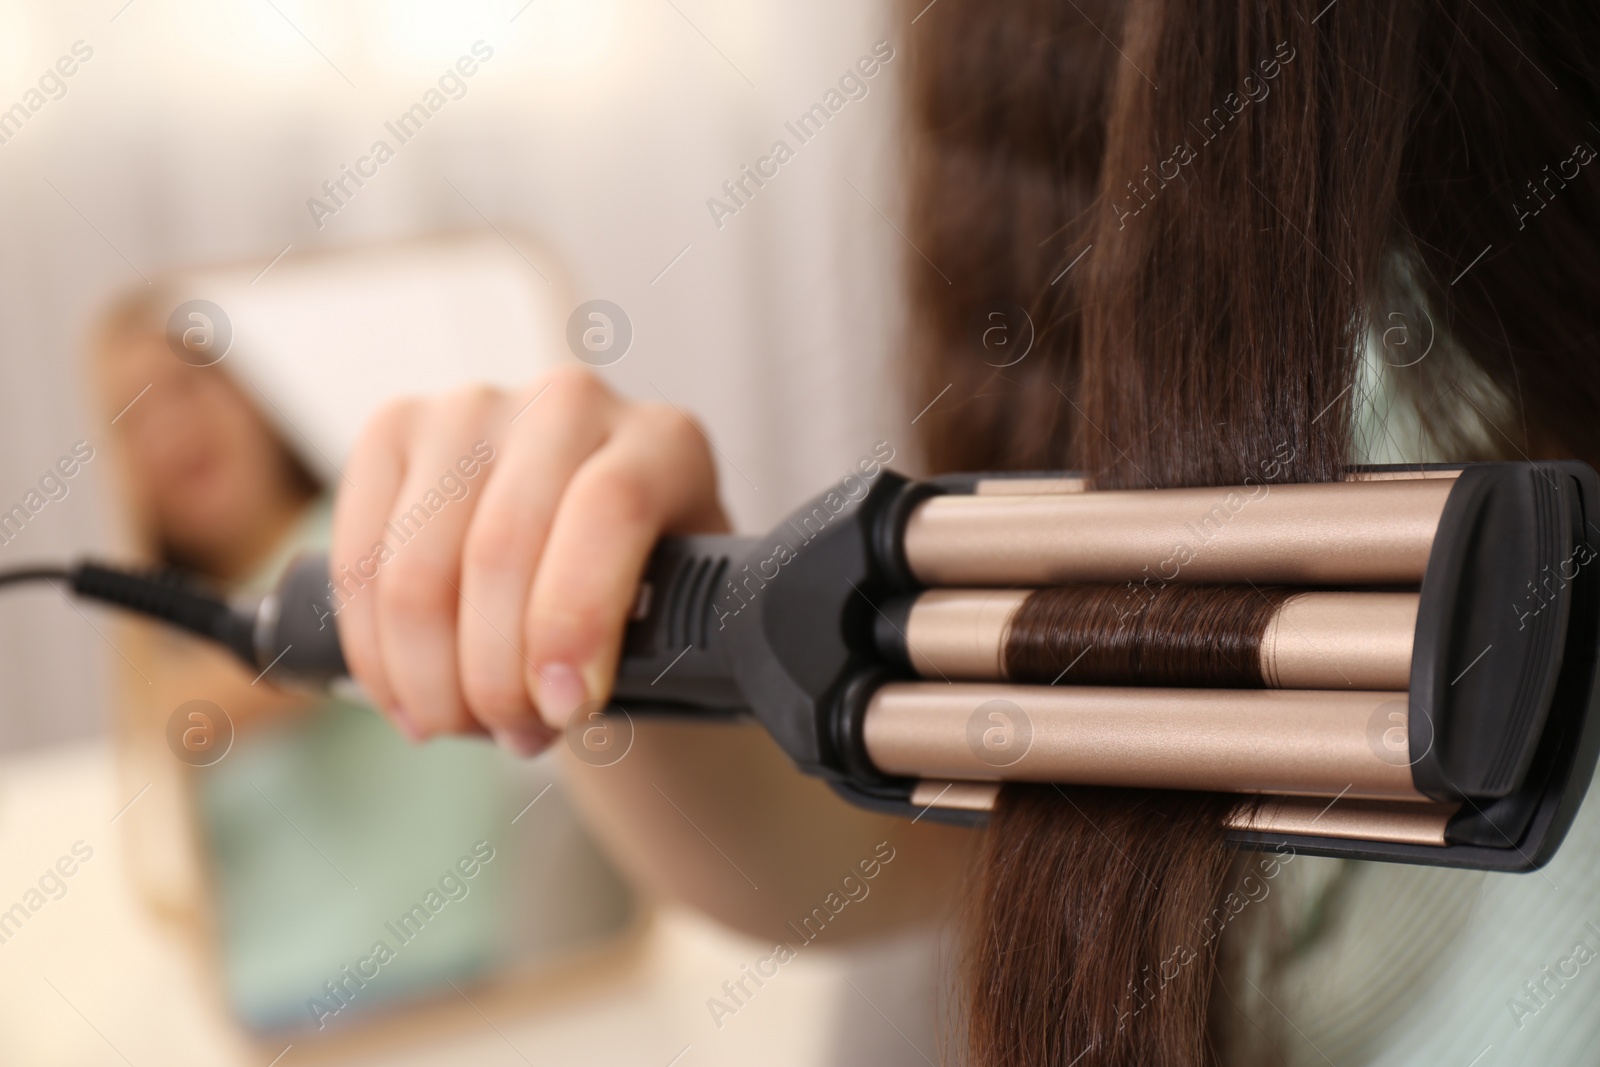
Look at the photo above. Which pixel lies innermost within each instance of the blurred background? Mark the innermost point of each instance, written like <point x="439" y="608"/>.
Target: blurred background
<point x="198" y="131"/>
<point x="195" y="150"/>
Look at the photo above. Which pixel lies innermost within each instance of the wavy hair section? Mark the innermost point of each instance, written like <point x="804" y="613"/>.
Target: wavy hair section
<point x="1213" y="214"/>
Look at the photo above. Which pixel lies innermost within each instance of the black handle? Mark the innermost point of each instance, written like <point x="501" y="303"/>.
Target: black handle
<point x="296" y="632"/>
<point x="674" y="655"/>
<point x="675" y="652"/>
<point x="778" y="626"/>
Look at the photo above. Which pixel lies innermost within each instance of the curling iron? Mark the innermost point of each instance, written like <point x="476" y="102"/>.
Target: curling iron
<point x="1422" y="688"/>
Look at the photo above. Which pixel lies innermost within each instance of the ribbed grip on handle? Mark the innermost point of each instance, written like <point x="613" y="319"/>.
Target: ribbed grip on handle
<point x="674" y="654"/>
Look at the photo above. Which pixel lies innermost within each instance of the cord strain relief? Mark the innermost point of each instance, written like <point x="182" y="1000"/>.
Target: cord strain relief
<point x="168" y="596"/>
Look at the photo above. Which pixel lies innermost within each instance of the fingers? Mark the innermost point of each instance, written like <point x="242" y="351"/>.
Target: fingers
<point x="418" y="586"/>
<point x="652" y="476"/>
<point x="371" y="481"/>
<point x="559" y="424"/>
<point x="488" y="547"/>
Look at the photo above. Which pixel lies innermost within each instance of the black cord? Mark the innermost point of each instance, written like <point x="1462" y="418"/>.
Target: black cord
<point x="169" y="595"/>
<point x="34" y="574"/>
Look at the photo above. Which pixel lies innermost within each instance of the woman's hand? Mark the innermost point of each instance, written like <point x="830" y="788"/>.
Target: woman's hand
<point x="487" y="546"/>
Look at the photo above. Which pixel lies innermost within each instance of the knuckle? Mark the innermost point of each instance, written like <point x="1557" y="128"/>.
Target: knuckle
<point x="384" y="434"/>
<point x="477" y="396"/>
<point x="621" y="493"/>
<point x="576" y="387"/>
<point x="413" y="588"/>
<point x="391" y="419"/>
<point x="673" y="428"/>
<point x="496" y="541"/>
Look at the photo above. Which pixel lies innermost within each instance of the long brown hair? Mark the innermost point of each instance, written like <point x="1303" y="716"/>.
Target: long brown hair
<point x="1211" y="214"/>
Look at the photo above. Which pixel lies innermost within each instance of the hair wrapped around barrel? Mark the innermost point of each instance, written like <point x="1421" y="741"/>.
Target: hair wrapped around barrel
<point x="1250" y="639"/>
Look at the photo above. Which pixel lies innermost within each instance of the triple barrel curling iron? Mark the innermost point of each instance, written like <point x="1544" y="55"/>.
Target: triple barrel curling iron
<point x="1402" y="665"/>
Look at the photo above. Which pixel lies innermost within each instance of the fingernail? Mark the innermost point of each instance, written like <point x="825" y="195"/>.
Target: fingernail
<point x="406" y="724"/>
<point x="560" y="692"/>
<point x="524" y="741"/>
